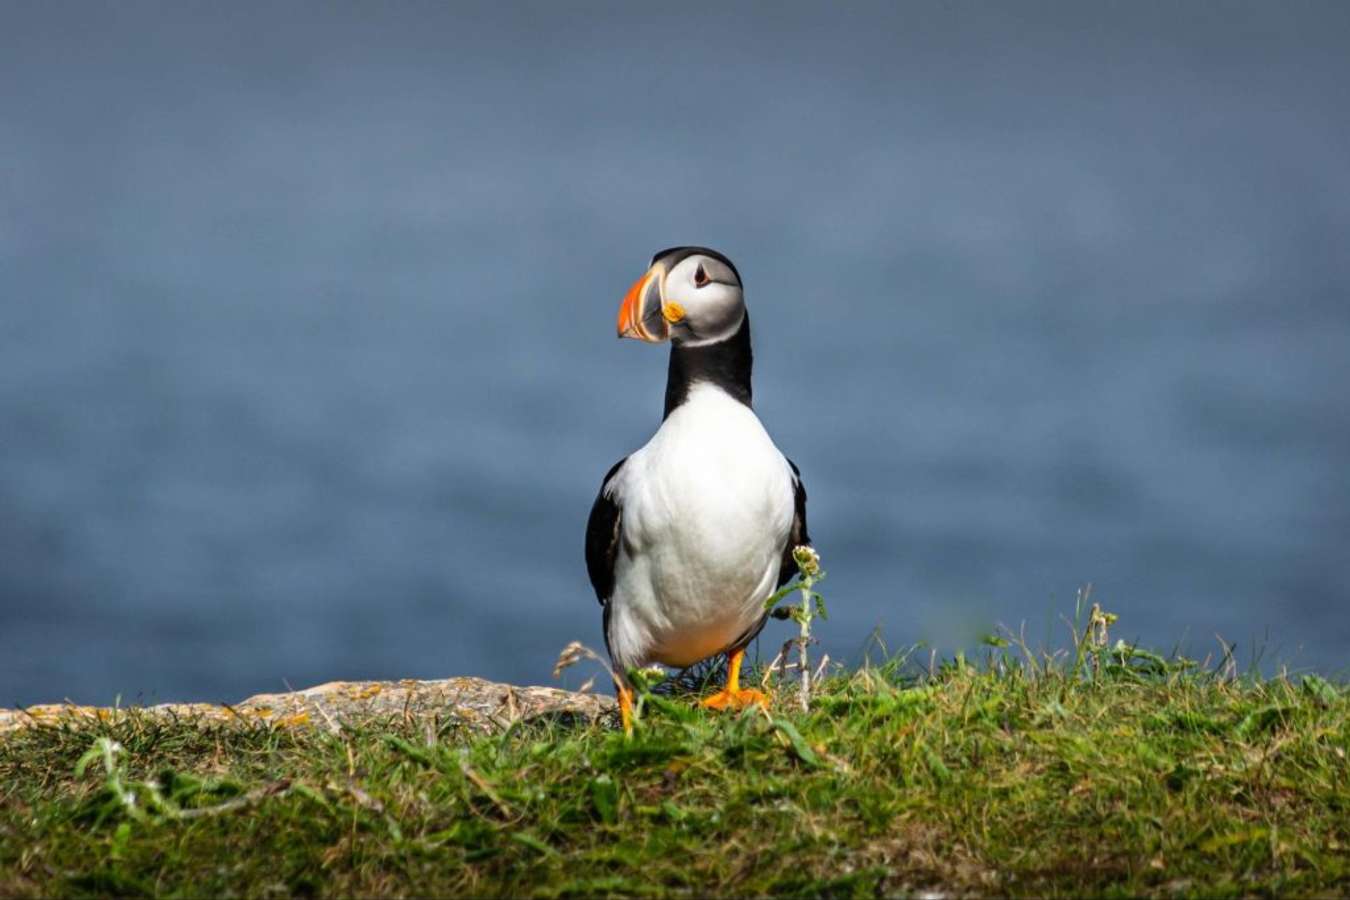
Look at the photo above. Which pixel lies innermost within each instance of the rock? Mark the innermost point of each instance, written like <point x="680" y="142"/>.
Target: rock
<point x="473" y="703"/>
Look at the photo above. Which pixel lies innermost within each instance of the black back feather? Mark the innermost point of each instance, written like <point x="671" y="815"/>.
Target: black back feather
<point x="602" y="539"/>
<point x="798" y="535"/>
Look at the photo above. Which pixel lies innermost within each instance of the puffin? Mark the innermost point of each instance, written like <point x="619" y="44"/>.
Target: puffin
<point x="692" y="533"/>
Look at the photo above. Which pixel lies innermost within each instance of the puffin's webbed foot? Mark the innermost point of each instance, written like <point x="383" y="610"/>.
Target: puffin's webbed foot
<point x="733" y="696"/>
<point x="725" y="699"/>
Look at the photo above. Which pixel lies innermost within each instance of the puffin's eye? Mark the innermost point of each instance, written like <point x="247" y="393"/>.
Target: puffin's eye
<point x="700" y="276"/>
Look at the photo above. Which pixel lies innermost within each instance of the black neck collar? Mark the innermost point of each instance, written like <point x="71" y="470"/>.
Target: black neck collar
<point x="725" y="364"/>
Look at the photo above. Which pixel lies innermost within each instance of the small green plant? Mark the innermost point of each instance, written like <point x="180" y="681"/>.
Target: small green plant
<point x="809" y="574"/>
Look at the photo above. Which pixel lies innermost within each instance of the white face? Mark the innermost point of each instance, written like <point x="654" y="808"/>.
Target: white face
<point x="708" y="294"/>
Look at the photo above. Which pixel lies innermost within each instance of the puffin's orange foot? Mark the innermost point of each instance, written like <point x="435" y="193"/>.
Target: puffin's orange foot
<point x="728" y="698"/>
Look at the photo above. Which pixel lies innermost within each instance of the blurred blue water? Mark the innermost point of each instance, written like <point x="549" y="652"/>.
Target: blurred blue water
<point x="307" y="367"/>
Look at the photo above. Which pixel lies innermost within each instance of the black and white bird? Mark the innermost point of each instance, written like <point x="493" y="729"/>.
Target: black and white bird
<point x="693" y="532"/>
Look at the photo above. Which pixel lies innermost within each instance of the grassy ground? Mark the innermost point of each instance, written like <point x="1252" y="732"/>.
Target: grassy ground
<point x="1109" y="773"/>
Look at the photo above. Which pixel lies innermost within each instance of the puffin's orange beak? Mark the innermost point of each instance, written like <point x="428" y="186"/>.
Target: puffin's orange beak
<point x="640" y="313"/>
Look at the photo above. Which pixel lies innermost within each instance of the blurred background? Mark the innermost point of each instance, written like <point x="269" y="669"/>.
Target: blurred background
<point x="307" y="355"/>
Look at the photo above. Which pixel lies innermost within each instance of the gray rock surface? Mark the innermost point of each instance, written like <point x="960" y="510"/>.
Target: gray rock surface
<point x="470" y="702"/>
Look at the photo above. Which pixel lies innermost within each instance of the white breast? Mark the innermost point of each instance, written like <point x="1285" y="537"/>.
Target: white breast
<point x="707" y="506"/>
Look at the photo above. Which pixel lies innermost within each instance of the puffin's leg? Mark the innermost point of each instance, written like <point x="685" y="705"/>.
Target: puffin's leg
<point x="625" y="706"/>
<point x="733" y="696"/>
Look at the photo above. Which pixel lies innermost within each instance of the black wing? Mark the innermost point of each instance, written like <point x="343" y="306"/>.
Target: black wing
<point x="797" y="536"/>
<point x="602" y="539"/>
